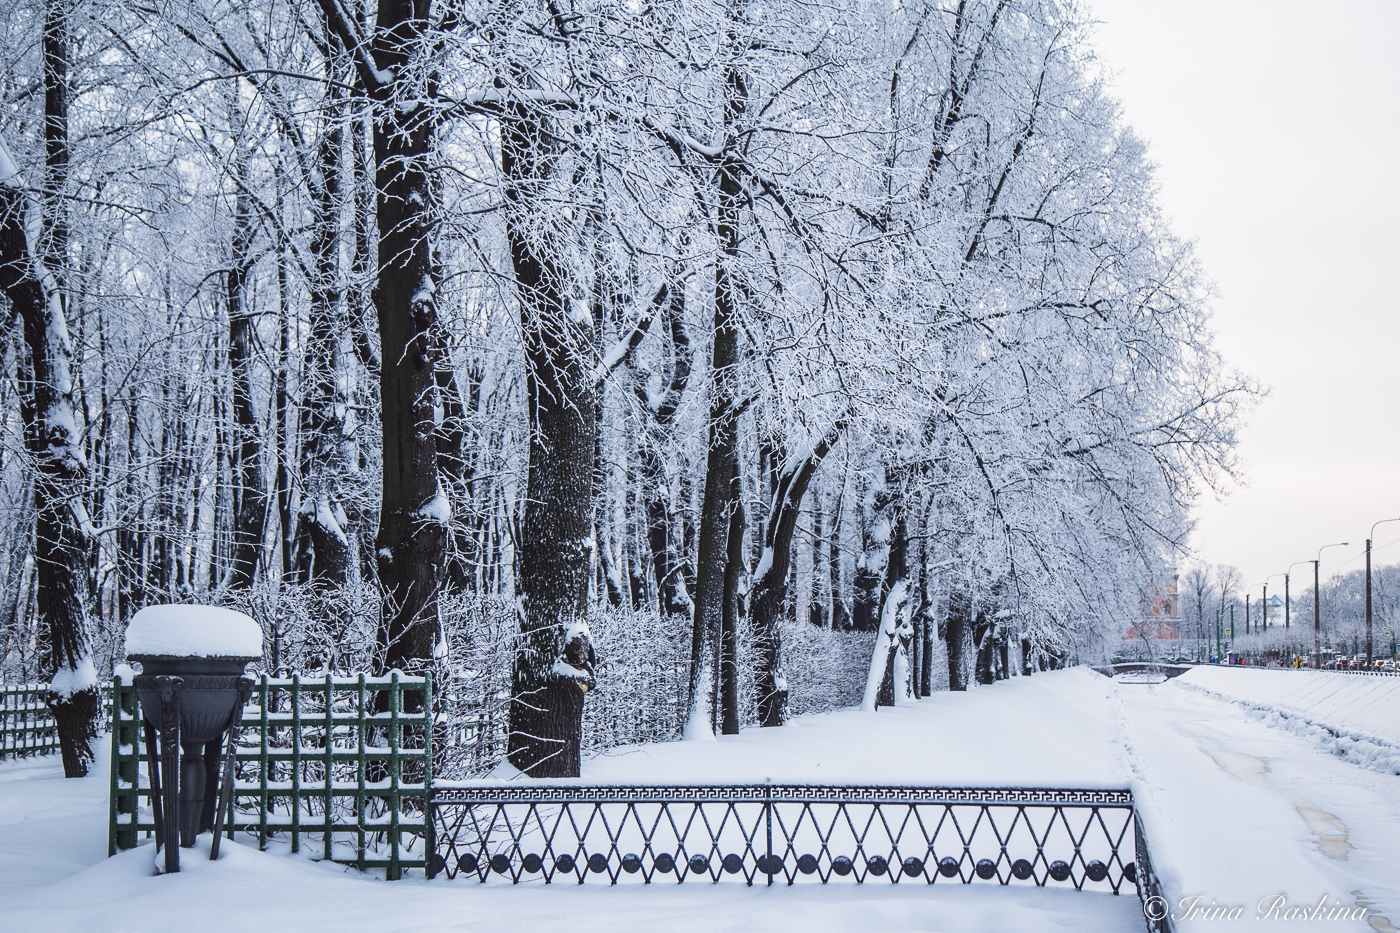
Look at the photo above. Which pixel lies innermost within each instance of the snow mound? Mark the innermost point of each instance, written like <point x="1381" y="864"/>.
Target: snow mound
<point x="193" y="632"/>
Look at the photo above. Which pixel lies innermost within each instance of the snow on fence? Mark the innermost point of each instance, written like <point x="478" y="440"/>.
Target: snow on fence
<point x="26" y="725"/>
<point x="1087" y="839"/>
<point x="318" y="758"/>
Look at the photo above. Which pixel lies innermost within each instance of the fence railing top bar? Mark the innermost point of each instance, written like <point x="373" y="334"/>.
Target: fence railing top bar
<point x="314" y="681"/>
<point x="558" y="792"/>
<point x="304" y="681"/>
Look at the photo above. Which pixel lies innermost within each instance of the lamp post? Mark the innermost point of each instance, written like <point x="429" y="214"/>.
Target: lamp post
<point x="1317" y="605"/>
<point x="1368" y="586"/>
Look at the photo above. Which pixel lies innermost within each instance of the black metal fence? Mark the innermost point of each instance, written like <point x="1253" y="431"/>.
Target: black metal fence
<point x="791" y="834"/>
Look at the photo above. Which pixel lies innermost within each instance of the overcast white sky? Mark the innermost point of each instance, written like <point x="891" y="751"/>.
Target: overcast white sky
<point x="1276" y="129"/>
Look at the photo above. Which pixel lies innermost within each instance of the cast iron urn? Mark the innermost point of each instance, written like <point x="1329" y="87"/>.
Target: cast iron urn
<point x="191" y="689"/>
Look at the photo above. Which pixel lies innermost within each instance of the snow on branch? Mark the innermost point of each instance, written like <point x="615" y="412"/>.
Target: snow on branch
<point x="624" y="347"/>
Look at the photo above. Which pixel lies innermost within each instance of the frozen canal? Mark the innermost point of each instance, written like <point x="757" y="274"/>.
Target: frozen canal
<point x="1243" y="814"/>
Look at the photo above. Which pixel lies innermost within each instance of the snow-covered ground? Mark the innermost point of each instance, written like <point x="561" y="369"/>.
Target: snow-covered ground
<point x="1236" y="811"/>
<point x="1240" y="814"/>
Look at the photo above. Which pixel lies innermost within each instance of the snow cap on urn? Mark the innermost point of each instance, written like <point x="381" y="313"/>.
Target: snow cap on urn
<point x="193" y="632"/>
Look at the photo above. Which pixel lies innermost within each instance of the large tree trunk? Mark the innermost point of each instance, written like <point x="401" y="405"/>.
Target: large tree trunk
<point x="325" y="552"/>
<point x="790" y="485"/>
<point x="896" y="569"/>
<point x="983" y="640"/>
<point x="554" y="661"/>
<point x="250" y="485"/>
<point x="63" y="532"/>
<point x="959" y="612"/>
<point x="414" y="513"/>
<point x="893" y="628"/>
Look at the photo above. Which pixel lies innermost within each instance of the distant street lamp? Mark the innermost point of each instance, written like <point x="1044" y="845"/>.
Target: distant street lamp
<point x="1317" y="605"/>
<point x="1285" y="589"/>
<point x="1368" y="587"/>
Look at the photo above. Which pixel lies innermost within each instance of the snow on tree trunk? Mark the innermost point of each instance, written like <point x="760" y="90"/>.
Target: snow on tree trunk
<point x="411" y="543"/>
<point x="893" y="622"/>
<point x="552" y="669"/>
<point x="722" y="462"/>
<point x="63" y="533"/>
<point x="770" y="590"/>
<point x="667" y="567"/>
<point x="325" y="553"/>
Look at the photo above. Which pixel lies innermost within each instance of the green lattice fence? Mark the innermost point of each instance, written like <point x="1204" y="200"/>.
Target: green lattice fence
<point x="26" y="726"/>
<point x="317" y="765"/>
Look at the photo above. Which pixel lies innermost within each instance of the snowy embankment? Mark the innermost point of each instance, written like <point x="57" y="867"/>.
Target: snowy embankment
<point x="1353" y="716"/>
<point x="1050" y="729"/>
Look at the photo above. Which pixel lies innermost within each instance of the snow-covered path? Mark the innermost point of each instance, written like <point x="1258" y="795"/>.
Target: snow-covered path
<point x="1052" y="729"/>
<point x="1241" y="814"/>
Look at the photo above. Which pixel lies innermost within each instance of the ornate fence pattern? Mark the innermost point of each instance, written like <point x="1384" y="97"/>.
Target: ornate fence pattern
<point x="1155" y="906"/>
<point x="791" y="834"/>
<point x="318" y="758"/>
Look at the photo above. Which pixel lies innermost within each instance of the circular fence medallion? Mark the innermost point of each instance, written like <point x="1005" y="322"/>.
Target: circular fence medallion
<point x="1130" y="872"/>
<point x="877" y="865"/>
<point x="1096" y="870"/>
<point x="948" y="866"/>
<point x="733" y="864"/>
<point x="842" y="865"/>
<point x="564" y="863"/>
<point x="770" y="864"/>
<point x="597" y="863"/>
<point x="1021" y="869"/>
<point x="532" y="863"/>
<point x="631" y="863"/>
<point x="807" y="864"/>
<point x="1059" y="870"/>
<point x="913" y="866"/>
<point x="665" y="862"/>
<point x="500" y="863"/>
<point x="438" y="863"/>
<point x="986" y="869"/>
<point x="699" y="864"/>
<point x="467" y="863"/>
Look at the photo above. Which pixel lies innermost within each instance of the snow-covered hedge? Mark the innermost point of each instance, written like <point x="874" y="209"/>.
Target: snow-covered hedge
<point x="642" y="671"/>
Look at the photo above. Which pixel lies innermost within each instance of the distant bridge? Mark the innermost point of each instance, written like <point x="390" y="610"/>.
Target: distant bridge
<point x="1133" y="667"/>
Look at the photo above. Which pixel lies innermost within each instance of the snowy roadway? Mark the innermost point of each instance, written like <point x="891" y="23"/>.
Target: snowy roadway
<point x="1241" y="815"/>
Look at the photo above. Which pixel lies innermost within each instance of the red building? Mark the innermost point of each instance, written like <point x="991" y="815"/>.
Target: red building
<point x="1160" y="614"/>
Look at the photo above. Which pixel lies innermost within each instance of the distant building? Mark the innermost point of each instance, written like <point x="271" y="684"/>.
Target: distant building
<point x="1161" y="614"/>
